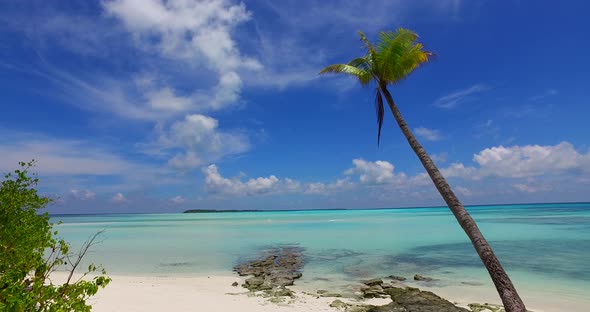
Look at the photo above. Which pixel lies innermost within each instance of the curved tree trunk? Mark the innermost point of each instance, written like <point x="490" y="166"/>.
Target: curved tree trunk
<point x="506" y="290"/>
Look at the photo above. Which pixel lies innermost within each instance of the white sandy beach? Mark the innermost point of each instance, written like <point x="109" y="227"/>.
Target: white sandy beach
<point x="215" y="293"/>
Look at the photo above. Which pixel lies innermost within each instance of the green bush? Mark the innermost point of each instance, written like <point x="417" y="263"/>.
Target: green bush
<point x="30" y="253"/>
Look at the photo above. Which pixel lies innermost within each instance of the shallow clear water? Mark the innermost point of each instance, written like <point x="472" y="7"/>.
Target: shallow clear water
<point x="544" y="247"/>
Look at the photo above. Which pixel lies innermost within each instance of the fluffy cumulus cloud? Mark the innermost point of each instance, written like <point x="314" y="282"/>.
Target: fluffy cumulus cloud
<point x="517" y="166"/>
<point x="198" y="139"/>
<point x="531" y="160"/>
<point x="182" y="29"/>
<point x="197" y="33"/>
<point x="372" y="173"/>
<point x="119" y="198"/>
<point x="215" y="183"/>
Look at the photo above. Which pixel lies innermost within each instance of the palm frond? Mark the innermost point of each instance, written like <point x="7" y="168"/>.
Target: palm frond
<point x="363" y="76"/>
<point x="380" y="112"/>
<point x="398" y="54"/>
<point x="364" y="62"/>
<point x="368" y="44"/>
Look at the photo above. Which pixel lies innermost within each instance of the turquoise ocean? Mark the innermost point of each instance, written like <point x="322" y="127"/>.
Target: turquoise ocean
<point x="544" y="247"/>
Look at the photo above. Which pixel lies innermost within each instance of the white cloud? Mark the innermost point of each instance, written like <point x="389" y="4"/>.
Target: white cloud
<point x="217" y="184"/>
<point x="459" y="170"/>
<point x="171" y="42"/>
<point x="532" y="188"/>
<point x="82" y="195"/>
<point x="197" y="33"/>
<point x="166" y="99"/>
<point x="119" y="198"/>
<point x="531" y="160"/>
<point x="519" y="164"/>
<point x="328" y="188"/>
<point x="428" y="134"/>
<point x="372" y="173"/>
<point x="463" y="191"/>
<point x="141" y="96"/>
<point x="184" y="29"/>
<point x="197" y="139"/>
<point x="440" y="157"/>
<point x="455" y="98"/>
<point x="177" y="199"/>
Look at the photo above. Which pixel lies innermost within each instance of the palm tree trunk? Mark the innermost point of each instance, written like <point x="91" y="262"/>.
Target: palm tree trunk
<point x="507" y="292"/>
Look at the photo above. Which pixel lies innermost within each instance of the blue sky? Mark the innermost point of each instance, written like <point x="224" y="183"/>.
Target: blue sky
<point x="161" y="106"/>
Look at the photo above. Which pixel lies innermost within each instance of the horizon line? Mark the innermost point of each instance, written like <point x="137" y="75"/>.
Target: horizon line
<point x="307" y="209"/>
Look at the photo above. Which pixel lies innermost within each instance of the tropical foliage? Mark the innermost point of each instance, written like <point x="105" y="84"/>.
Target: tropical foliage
<point x="30" y="253"/>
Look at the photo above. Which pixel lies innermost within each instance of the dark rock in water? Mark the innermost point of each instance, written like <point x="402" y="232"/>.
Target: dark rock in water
<point x="415" y="300"/>
<point x="372" y="282"/>
<point x="234" y="284"/>
<point x="397" y="278"/>
<point x="275" y="270"/>
<point x="405" y="299"/>
<point x="419" y="277"/>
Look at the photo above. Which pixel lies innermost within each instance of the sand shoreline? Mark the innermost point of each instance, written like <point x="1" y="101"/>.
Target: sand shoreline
<point x="216" y="293"/>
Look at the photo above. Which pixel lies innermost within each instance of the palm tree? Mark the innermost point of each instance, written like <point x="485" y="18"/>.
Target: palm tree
<point x="392" y="59"/>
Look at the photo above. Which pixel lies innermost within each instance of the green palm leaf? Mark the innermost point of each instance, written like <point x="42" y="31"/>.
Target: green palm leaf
<point x="394" y="56"/>
<point x="363" y="76"/>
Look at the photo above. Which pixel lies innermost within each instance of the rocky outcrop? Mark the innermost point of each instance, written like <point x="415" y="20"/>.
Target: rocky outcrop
<point x="273" y="271"/>
<point x="373" y="282"/>
<point x="403" y="299"/>
<point x="416" y="300"/>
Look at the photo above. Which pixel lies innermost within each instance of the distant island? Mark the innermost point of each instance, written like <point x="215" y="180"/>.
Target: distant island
<point x="215" y="210"/>
<point x="345" y="209"/>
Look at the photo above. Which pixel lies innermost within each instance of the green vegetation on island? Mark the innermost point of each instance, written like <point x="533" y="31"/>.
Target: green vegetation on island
<point x="215" y="210"/>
